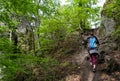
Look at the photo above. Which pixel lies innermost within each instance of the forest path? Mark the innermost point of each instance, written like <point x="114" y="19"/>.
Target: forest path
<point x="86" y="70"/>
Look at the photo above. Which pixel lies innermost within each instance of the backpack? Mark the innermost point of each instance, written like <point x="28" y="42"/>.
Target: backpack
<point x="92" y="42"/>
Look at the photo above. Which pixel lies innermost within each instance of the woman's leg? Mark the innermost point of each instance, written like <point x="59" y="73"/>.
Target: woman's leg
<point x="94" y="57"/>
<point x="91" y="60"/>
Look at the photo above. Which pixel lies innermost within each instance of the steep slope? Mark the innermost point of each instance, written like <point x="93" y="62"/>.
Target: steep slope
<point x="109" y="35"/>
<point x="108" y="68"/>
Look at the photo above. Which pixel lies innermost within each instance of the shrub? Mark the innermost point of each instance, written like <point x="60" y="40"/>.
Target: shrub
<point x="21" y="67"/>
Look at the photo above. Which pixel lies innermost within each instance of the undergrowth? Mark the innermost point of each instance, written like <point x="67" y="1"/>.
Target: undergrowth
<point x="20" y="67"/>
<point x="116" y="35"/>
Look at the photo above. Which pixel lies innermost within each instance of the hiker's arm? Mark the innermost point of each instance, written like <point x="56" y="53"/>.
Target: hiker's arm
<point x="87" y="42"/>
<point x="97" y="40"/>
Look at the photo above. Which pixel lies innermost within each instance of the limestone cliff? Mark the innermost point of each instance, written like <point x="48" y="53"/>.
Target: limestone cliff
<point x="110" y="22"/>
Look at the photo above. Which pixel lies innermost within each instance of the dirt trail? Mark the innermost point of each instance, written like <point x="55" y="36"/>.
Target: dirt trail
<point x="85" y="64"/>
<point x="91" y="76"/>
<point x="87" y="74"/>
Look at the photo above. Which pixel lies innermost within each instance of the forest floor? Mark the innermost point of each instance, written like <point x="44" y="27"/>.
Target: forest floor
<point x="84" y="71"/>
<point x="83" y="66"/>
<point x="108" y="70"/>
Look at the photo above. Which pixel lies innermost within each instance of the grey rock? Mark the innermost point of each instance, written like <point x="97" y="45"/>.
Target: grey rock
<point x="109" y="24"/>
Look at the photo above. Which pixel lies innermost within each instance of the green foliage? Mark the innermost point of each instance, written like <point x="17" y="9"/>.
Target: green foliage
<point x="53" y="23"/>
<point x="19" y="66"/>
<point x="117" y="32"/>
<point x="67" y="19"/>
<point x="116" y="36"/>
<point x="3" y="29"/>
<point x="6" y="46"/>
<point x="111" y="9"/>
<point x="50" y="35"/>
<point x="87" y="13"/>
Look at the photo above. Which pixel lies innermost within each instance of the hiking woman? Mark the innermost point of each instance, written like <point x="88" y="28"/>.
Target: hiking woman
<point x="92" y="43"/>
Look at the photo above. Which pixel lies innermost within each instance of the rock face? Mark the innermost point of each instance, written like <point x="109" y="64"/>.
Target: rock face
<point x="109" y="24"/>
<point x="110" y="16"/>
<point x="107" y="44"/>
<point x="25" y="36"/>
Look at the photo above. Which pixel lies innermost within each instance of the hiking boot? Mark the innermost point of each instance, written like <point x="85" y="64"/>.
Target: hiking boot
<point x="94" y="67"/>
<point x="91" y="64"/>
<point x="94" y="70"/>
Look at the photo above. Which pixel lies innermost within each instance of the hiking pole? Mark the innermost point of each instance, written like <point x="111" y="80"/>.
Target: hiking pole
<point x="82" y="51"/>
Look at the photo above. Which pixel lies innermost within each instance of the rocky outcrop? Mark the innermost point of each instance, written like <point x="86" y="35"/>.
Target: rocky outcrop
<point x="25" y="36"/>
<point x="109" y="24"/>
<point x="107" y="44"/>
<point x="110" y="16"/>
